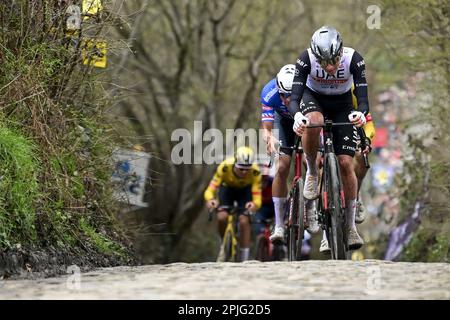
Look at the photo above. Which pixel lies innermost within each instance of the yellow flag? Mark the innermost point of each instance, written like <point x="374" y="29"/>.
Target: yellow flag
<point x="94" y="53"/>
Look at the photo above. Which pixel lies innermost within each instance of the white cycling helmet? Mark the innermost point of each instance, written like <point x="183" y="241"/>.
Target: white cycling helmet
<point x="285" y="77"/>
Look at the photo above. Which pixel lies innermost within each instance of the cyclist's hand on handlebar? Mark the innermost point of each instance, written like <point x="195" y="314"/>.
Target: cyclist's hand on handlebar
<point x="212" y="204"/>
<point x="300" y="123"/>
<point x="250" y="206"/>
<point x="357" y="118"/>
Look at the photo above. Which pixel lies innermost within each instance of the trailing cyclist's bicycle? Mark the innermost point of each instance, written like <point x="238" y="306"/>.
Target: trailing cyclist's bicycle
<point x="265" y="249"/>
<point x="229" y="246"/>
<point x="295" y="208"/>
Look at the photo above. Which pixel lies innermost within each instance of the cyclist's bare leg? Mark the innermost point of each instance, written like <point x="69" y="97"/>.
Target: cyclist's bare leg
<point x="318" y="162"/>
<point x="279" y="187"/>
<point x="360" y="170"/>
<point x="310" y="140"/>
<point x="244" y="237"/>
<point x="222" y="216"/>
<point x="244" y="229"/>
<point x="350" y="187"/>
<point x="348" y="176"/>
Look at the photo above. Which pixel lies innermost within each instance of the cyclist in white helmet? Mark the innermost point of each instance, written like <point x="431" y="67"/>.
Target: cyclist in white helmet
<point x="275" y="97"/>
<point x="325" y="73"/>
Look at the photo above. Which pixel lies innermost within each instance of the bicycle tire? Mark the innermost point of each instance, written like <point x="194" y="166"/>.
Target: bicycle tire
<point x="292" y="230"/>
<point x="278" y="252"/>
<point x="336" y="231"/>
<point x="300" y="220"/>
<point x="228" y="247"/>
<point x="262" y="250"/>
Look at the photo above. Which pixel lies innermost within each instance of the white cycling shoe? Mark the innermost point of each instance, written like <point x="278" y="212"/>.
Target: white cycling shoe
<point x="354" y="240"/>
<point x="310" y="190"/>
<point x="324" y="247"/>
<point x="278" y="234"/>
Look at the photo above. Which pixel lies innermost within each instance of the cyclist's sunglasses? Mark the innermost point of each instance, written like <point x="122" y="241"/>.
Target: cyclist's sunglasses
<point x="323" y="63"/>
<point x="244" y="169"/>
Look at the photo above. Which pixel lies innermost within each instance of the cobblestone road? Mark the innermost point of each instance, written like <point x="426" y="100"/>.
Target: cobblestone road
<point x="369" y="279"/>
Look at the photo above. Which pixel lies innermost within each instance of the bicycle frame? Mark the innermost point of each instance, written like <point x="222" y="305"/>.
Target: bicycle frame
<point x="298" y="150"/>
<point x="332" y="218"/>
<point x="329" y="148"/>
<point x="295" y="206"/>
<point x="266" y="235"/>
<point x="230" y="229"/>
<point x="263" y="239"/>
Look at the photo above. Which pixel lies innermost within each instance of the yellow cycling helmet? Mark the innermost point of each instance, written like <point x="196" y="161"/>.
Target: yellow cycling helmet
<point x="244" y="157"/>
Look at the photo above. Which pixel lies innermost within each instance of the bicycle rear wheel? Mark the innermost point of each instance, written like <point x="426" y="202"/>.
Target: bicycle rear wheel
<point x="278" y="252"/>
<point x="300" y="224"/>
<point x="262" y="250"/>
<point x="337" y="238"/>
<point x="295" y="225"/>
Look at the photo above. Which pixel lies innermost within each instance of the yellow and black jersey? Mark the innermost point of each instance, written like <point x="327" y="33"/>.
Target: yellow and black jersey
<point x="369" y="127"/>
<point x="225" y="175"/>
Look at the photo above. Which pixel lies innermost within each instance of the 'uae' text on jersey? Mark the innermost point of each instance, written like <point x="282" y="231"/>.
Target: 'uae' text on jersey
<point x="338" y="83"/>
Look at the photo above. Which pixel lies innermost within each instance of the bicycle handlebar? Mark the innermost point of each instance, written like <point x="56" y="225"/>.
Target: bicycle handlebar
<point x="232" y="209"/>
<point x="333" y="124"/>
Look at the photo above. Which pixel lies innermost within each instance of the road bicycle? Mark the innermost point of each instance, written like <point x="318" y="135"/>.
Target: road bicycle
<point x="229" y="245"/>
<point x="295" y="206"/>
<point x="265" y="249"/>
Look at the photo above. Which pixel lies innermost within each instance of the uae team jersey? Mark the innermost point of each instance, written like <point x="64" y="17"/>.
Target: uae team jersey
<point x="309" y="73"/>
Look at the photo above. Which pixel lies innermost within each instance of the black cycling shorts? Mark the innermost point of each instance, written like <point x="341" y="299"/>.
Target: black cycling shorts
<point x="286" y="134"/>
<point x="335" y="108"/>
<point x="228" y="195"/>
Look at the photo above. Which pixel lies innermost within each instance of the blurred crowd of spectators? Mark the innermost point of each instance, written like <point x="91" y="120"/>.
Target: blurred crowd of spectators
<point x="379" y="193"/>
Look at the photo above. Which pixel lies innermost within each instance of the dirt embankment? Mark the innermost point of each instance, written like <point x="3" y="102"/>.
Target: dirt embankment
<point x="30" y="263"/>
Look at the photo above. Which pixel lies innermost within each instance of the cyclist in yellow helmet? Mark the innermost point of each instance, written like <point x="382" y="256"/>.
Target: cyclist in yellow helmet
<point x="360" y="168"/>
<point x="236" y="179"/>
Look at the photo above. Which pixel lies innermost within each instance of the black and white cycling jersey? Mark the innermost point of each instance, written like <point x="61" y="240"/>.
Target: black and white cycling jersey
<point x="309" y="73"/>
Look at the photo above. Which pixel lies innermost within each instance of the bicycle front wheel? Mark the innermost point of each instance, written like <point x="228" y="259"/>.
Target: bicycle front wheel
<point x="230" y="254"/>
<point x="336" y="228"/>
<point x="262" y="250"/>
